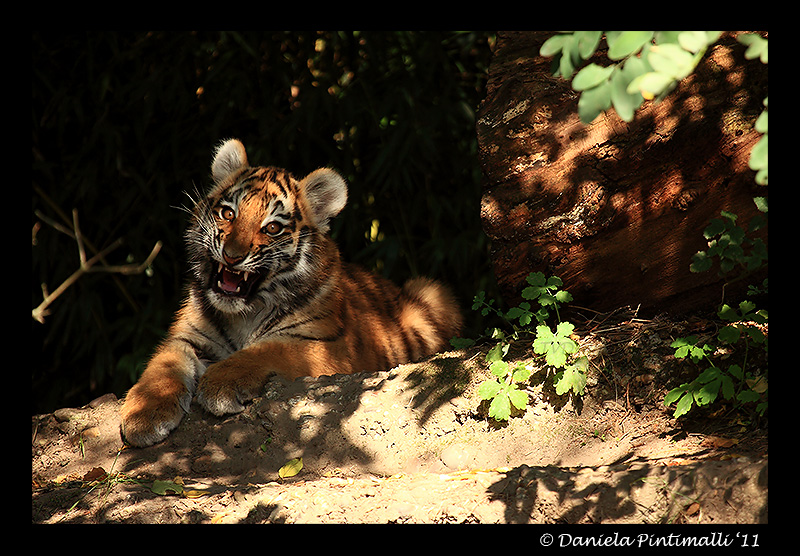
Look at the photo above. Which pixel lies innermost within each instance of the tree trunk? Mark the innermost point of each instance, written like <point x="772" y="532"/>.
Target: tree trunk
<point x="615" y="209"/>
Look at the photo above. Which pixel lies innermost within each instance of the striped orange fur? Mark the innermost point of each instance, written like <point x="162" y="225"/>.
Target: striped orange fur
<point x="269" y="294"/>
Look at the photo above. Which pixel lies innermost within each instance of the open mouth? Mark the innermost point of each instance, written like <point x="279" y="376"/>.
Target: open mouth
<point x="233" y="283"/>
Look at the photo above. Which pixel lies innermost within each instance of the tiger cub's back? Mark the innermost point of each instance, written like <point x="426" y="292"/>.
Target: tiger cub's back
<point x="391" y="325"/>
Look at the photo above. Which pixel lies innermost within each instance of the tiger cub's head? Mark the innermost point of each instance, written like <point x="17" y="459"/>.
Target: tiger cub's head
<point x="258" y="233"/>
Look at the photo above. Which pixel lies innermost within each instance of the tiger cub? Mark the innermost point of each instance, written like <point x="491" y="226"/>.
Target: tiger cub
<point x="269" y="293"/>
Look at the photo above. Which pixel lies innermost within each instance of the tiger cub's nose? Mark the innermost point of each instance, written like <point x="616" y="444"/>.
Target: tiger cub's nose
<point x="229" y="260"/>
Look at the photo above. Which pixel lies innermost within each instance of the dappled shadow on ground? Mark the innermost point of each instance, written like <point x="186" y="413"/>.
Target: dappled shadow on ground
<point x="412" y="445"/>
<point x="339" y="425"/>
<point x="643" y="493"/>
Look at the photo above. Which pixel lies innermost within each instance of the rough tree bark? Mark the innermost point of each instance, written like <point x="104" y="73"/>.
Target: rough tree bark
<point x="615" y="209"/>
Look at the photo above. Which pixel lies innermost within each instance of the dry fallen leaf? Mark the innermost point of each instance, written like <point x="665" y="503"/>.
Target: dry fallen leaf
<point x="96" y="474"/>
<point x="758" y="385"/>
<point x="719" y="442"/>
<point x="166" y="488"/>
<point x="194" y="493"/>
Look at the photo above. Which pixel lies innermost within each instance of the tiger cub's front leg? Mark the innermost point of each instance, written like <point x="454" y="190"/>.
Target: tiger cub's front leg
<point x="227" y="385"/>
<point x="157" y="402"/>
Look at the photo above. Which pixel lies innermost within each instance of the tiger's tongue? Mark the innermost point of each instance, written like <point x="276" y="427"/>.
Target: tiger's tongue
<point x="230" y="280"/>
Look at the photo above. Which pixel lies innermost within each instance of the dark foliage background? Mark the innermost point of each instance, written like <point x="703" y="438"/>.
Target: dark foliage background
<point x="124" y="125"/>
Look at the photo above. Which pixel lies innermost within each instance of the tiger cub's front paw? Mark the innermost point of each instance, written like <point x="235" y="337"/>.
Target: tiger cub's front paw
<point x="149" y="415"/>
<point x="224" y="388"/>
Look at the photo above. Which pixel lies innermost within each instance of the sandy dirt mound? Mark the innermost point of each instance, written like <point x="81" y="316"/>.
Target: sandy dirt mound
<point x="413" y="445"/>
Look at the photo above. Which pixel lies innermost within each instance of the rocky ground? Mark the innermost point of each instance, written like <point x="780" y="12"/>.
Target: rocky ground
<point x="414" y="445"/>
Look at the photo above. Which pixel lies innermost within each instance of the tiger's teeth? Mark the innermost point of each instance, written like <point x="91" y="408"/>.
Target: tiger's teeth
<point x="246" y="275"/>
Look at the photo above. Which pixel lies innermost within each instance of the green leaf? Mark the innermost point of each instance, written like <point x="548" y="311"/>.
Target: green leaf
<point x="756" y="335"/>
<point x="715" y="227"/>
<point x="594" y="102"/>
<point x="572" y="379"/>
<point x="497" y="352"/>
<point x="707" y="393"/>
<point x="624" y="103"/>
<point x="462" y="343"/>
<point x="555" y="347"/>
<point x="671" y="60"/>
<point x="700" y="262"/>
<point x="500" y="408"/>
<point x="518" y="398"/>
<point x="623" y="44"/>
<point x="758" y="47"/>
<point x="165" y="488"/>
<point x="291" y="468"/>
<point x="762" y="123"/>
<point x="545" y="298"/>
<point x="521" y="374"/>
<point x="684" y="405"/>
<point x="522" y="313"/>
<point x="728" y="313"/>
<point x="536" y="279"/>
<point x="587" y="42"/>
<point x="489" y="389"/>
<point x="569" y="56"/>
<point x="746" y="307"/>
<point x="711" y="373"/>
<point x="531" y="292"/>
<point x="686" y="347"/>
<point x="728" y="388"/>
<point x="695" y="41"/>
<point x="565" y="328"/>
<point x="591" y="76"/>
<point x="563" y="296"/>
<point x="553" y="45"/>
<point x="674" y="394"/>
<point x="537" y="287"/>
<point x="759" y="155"/>
<point x="664" y="37"/>
<point x="730" y="216"/>
<point x="746" y="396"/>
<point x="651" y="84"/>
<point x="499" y="369"/>
<point x="554" y="282"/>
<point x="729" y="334"/>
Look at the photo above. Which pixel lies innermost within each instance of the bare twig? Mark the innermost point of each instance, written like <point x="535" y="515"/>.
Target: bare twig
<point x="86" y="265"/>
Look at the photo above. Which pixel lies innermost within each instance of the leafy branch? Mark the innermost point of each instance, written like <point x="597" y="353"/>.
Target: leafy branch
<point x="645" y="65"/>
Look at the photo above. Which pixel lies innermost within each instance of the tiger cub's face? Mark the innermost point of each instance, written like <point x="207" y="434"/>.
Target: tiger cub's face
<point x="256" y="235"/>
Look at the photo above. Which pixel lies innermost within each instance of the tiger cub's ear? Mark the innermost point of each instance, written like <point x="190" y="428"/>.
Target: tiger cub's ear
<point x="229" y="157"/>
<point x="325" y="192"/>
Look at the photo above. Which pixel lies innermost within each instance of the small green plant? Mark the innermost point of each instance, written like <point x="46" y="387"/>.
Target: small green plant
<point x="734" y="383"/>
<point x="731" y="244"/>
<point x="735" y="250"/>
<point x="506" y="389"/>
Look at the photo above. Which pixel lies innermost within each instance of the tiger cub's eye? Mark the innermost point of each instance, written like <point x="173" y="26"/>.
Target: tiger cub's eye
<point x="273" y="228"/>
<point x="227" y="213"/>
